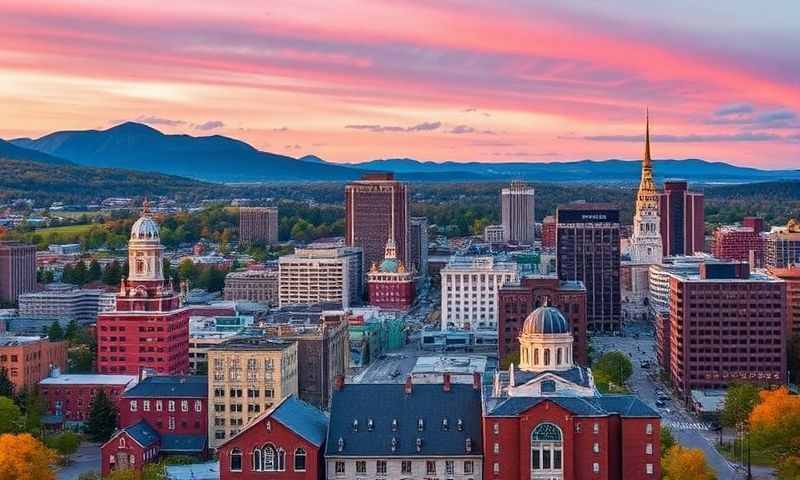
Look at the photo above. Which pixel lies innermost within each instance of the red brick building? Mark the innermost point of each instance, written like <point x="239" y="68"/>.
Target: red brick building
<point x="742" y="244"/>
<point x="515" y="301"/>
<point x="28" y="360"/>
<point x="70" y="395"/>
<point x="549" y="232"/>
<point x="148" y="330"/>
<point x="726" y="325"/>
<point x="682" y="219"/>
<point x="161" y="415"/>
<point x="390" y="285"/>
<point x="285" y="442"/>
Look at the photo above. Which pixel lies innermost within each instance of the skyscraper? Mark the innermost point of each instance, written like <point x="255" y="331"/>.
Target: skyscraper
<point x="418" y="245"/>
<point x="587" y="250"/>
<point x="517" y="208"/>
<point x="682" y="219"/>
<point x="376" y="209"/>
<point x="258" y="225"/>
<point x="17" y="270"/>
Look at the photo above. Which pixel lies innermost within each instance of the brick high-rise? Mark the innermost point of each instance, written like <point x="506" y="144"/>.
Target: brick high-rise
<point x="377" y="209"/>
<point x="588" y="250"/>
<point x="17" y="270"/>
<point x="739" y="243"/>
<point x="682" y="219"/>
<point x="549" y="232"/>
<point x="418" y="245"/>
<point x="258" y="225"/>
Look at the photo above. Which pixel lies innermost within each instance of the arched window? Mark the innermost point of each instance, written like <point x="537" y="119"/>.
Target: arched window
<point x="536" y="356"/>
<point x="236" y="460"/>
<point x="270" y="458"/>
<point x="546" y="451"/>
<point x="299" y="460"/>
<point x="281" y="460"/>
<point x="546" y="357"/>
<point x="257" y="465"/>
<point x="558" y="356"/>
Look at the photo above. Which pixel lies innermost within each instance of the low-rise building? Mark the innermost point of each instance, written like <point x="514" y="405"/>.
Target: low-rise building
<point x="494" y="234"/>
<point x="69" y="396"/>
<point x="257" y="285"/>
<point x="29" y="360"/>
<point x="66" y="302"/>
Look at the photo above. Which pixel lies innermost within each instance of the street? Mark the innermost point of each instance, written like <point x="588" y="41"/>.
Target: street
<point x="86" y="459"/>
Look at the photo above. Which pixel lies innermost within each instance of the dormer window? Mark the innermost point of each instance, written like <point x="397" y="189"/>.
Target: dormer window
<point x="444" y="424"/>
<point x="355" y="425"/>
<point x="468" y="445"/>
<point x="340" y="444"/>
<point x="420" y="425"/>
<point x="394" y="424"/>
<point x="419" y="444"/>
<point x="370" y="424"/>
<point x="460" y="425"/>
<point x="394" y="443"/>
<point x="548" y="386"/>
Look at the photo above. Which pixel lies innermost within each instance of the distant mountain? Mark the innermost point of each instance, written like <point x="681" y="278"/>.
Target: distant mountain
<point x="134" y="146"/>
<point x="312" y="159"/>
<point x="9" y="151"/>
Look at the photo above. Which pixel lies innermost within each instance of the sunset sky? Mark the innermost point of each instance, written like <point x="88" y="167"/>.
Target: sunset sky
<point x="355" y="80"/>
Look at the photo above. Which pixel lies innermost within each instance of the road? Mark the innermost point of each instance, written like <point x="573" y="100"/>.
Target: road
<point x="86" y="459"/>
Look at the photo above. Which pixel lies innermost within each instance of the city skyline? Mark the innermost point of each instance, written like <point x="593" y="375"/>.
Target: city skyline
<point x="452" y="81"/>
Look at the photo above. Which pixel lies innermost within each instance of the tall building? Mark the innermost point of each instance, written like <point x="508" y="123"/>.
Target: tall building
<point x="66" y="303"/>
<point x="148" y="329"/>
<point x="549" y="232"/>
<point x="247" y="376"/>
<point x="726" y="325"/>
<point x="321" y="273"/>
<point x="588" y="251"/>
<point x="17" y="270"/>
<point x="739" y="243"/>
<point x="516" y="301"/>
<point x="259" y="286"/>
<point x="377" y="209"/>
<point x="418" y="245"/>
<point x="682" y="219"/>
<point x="545" y="419"/>
<point x="258" y="225"/>
<point x="28" y="360"/>
<point x="390" y="285"/>
<point x="783" y="246"/>
<point x="469" y="291"/>
<point x="645" y="244"/>
<point x="517" y="212"/>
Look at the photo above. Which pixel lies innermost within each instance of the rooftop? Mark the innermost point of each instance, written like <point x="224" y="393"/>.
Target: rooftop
<point x="89" y="379"/>
<point x="600" y="406"/>
<point x="193" y="386"/>
<point x="196" y="471"/>
<point x="253" y="343"/>
<point x="9" y="341"/>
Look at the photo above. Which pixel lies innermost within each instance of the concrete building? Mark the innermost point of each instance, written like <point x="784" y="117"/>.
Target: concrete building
<point x="494" y="234"/>
<point x="682" y="219"/>
<point x="725" y="325"/>
<point x="17" y="270"/>
<point x="377" y="209"/>
<point x="418" y="244"/>
<point x="29" y="360"/>
<point x="517" y="213"/>
<point x="69" y="396"/>
<point x="469" y="291"/>
<point x="260" y="286"/>
<point x="783" y="246"/>
<point x="588" y="251"/>
<point x="461" y="368"/>
<point x="549" y="232"/>
<point x="258" y="225"/>
<point x="390" y="285"/>
<point x="208" y="331"/>
<point x="65" y="249"/>
<point x="246" y="377"/>
<point x="517" y="300"/>
<point x="66" y="302"/>
<point x="742" y="244"/>
<point x="321" y="273"/>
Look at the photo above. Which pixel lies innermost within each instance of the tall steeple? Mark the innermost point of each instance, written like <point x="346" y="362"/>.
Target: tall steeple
<point x="646" y="240"/>
<point x="647" y="184"/>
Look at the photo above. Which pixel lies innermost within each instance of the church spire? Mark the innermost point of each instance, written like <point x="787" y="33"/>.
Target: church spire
<point x="647" y="162"/>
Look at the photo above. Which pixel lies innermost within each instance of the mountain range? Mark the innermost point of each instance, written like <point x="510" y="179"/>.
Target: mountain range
<point x="216" y="158"/>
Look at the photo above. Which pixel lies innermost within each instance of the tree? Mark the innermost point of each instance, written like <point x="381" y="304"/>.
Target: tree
<point x="124" y="474"/>
<point x="81" y="275"/>
<point x="775" y="425"/>
<point x="10" y="416"/>
<point x="24" y="457"/>
<point x="72" y="330"/>
<point x="33" y="407"/>
<point x="6" y="385"/>
<point x="616" y="366"/>
<point x="65" y="443"/>
<point x="112" y="274"/>
<point x="740" y="400"/>
<point x="80" y="359"/>
<point x="89" y="476"/>
<point x="682" y="463"/>
<point x="667" y="440"/>
<point x="512" y="357"/>
<point x="102" y="418"/>
<point x="95" y="272"/>
<point x="55" y="333"/>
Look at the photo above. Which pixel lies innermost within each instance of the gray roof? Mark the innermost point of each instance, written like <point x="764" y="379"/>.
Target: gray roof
<point x="545" y="320"/>
<point x="576" y="375"/>
<point x="303" y="419"/>
<point x="623" y="405"/>
<point x="192" y="386"/>
<point x="383" y="403"/>
<point x="173" y="443"/>
<point x="143" y="433"/>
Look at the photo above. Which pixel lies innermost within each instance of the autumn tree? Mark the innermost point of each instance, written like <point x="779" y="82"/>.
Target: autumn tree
<point x="775" y="426"/>
<point x="682" y="463"/>
<point x="740" y="400"/>
<point x="24" y="457"/>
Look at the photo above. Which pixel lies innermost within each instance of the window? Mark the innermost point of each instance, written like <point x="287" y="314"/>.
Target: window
<point x="184" y="405"/>
<point x="299" y="460"/>
<point x="171" y="423"/>
<point x="596" y="428"/>
<point x="649" y="429"/>
<point x="548" y="386"/>
<point x="469" y="467"/>
<point x="449" y="468"/>
<point x="648" y="468"/>
<point x="380" y="468"/>
<point x="496" y="467"/>
<point x="236" y="460"/>
<point x="596" y="447"/>
<point x="430" y="467"/>
<point x="281" y="460"/>
<point x="596" y="467"/>
<point x="405" y="467"/>
<point x="134" y="406"/>
<point x="171" y="405"/>
<point x="159" y="405"/>
<point x="198" y="406"/>
<point x="496" y="447"/>
<point x="269" y="458"/>
<point x="146" y="405"/>
<point x="496" y="428"/>
<point x="546" y="449"/>
<point x="257" y="465"/>
<point x="361" y="467"/>
<point x="648" y="449"/>
<point x="339" y="469"/>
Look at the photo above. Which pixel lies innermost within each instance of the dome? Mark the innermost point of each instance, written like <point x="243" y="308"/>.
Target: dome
<point x="389" y="265"/>
<point x="145" y="229"/>
<point x="545" y="320"/>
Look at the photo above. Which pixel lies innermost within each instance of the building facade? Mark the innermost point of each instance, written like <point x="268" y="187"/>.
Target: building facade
<point x="376" y="209"/>
<point x="17" y="270"/>
<point x="549" y="232"/>
<point x="247" y="376"/>
<point x="682" y="219"/>
<point x="321" y="273"/>
<point x="66" y="303"/>
<point x="258" y="225"/>
<point x="418" y="244"/>
<point x="588" y="251"/>
<point x="70" y="395"/>
<point x="469" y="291"/>
<point x="645" y="243"/>
<point x="517" y="213"/>
<point x="260" y="286"/>
<point x="390" y="286"/>
<point x="742" y="244"/>
<point x="494" y="234"/>
<point x="783" y="246"/>
<point x="29" y="360"/>
<point x="517" y="300"/>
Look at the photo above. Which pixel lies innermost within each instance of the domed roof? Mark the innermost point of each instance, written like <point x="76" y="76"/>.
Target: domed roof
<point x="389" y="265"/>
<point x="545" y="320"/>
<point x="145" y="229"/>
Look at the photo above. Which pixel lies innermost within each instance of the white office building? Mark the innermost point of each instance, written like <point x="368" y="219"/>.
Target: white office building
<point x="60" y="301"/>
<point x="321" y="273"/>
<point x="469" y="291"/>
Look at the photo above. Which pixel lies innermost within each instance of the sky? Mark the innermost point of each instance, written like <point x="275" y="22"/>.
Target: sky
<point x="439" y="80"/>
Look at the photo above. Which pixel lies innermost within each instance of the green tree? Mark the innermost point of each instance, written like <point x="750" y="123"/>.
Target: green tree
<point x="616" y="366"/>
<point x="6" y="385"/>
<point x="112" y="274"/>
<point x="72" y="330"/>
<point x="740" y="400"/>
<point x="55" y="333"/>
<point x="102" y="418"/>
<point x="80" y="273"/>
<point x="66" y="444"/>
<point x="667" y="440"/>
<point x="33" y="407"/>
<point x="10" y="416"/>
<point x="80" y="358"/>
<point x="94" y="273"/>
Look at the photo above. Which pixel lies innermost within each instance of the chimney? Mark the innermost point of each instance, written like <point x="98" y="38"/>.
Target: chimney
<point x="408" y="385"/>
<point x="476" y="380"/>
<point x="446" y="385"/>
<point x="339" y="382"/>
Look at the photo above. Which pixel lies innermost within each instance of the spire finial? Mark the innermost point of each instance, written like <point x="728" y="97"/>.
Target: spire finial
<point x="145" y="206"/>
<point x="647" y="161"/>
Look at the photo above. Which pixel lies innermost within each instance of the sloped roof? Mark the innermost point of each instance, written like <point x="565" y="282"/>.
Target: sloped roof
<point x="623" y="405"/>
<point x="173" y="443"/>
<point x="383" y="403"/>
<point x="194" y="386"/>
<point x="576" y="375"/>
<point x="143" y="433"/>
<point x="303" y="419"/>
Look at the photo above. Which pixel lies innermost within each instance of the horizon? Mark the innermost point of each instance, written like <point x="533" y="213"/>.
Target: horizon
<point x="527" y="82"/>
